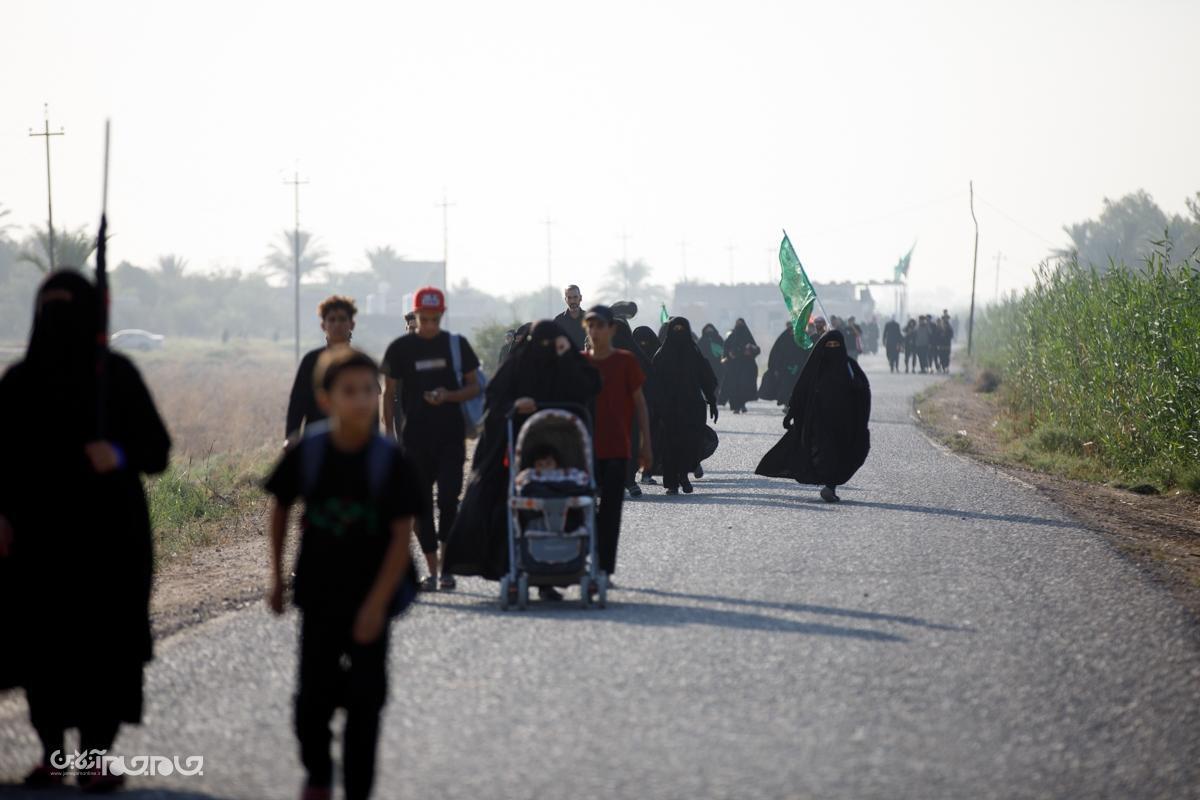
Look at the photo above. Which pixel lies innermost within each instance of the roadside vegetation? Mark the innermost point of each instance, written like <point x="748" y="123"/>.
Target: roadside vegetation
<point x="1099" y="371"/>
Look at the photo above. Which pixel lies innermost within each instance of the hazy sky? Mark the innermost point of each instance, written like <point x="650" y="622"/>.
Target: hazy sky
<point x="854" y="125"/>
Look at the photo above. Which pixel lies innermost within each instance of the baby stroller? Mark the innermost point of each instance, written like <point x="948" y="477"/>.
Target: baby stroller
<point x="552" y="511"/>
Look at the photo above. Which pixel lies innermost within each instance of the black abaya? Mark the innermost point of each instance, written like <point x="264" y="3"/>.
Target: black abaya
<point x="686" y="385"/>
<point x="829" y="411"/>
<point x="740" y="382"/>
<point x="82" y="557"/>
<point x="785" y="361"/>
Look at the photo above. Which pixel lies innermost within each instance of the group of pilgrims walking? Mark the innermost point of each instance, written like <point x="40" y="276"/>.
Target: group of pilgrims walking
<point x="369" y="475"/>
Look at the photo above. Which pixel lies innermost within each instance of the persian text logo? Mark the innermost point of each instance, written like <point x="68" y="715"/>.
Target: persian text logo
<point x="97" y="762"/>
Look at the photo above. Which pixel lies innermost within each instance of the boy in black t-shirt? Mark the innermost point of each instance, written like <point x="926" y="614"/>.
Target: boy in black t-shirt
<point x="337" y="322"/>
<point x="420" y="368"/>
<point x="360" y="499"/>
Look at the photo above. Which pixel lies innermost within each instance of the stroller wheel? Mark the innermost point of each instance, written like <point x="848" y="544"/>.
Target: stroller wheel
<point x="523" y="592"/>
<point x="504" y="599"/>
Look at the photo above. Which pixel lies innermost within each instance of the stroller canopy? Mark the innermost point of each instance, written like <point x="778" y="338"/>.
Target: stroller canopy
<point x="563" y="431"/>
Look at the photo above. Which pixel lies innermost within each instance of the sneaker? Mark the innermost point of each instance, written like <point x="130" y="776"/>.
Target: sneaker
<point x="447" y="583"/>
<point x="829" y="495"/>
<point x="430" y="584"/>
<point x="634" y="490"/>
<point x="648" y="480"/>
<point x="550" y="594"/>
<point x="699" y="473"/>
<point x="685" y="484"/>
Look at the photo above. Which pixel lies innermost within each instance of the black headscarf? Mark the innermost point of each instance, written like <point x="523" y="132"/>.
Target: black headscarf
<point x="739" y="337"/>
<point x="62" y="345"/>
<point x="711" y="343"/>
<point x="679" y="362"/>
<point x="647" y="340"/>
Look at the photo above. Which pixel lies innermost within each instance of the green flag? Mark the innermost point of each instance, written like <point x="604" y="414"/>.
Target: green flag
<point x="663" y="316"/>
<point x="901" y="269"/>
<point x="798" y="292"/>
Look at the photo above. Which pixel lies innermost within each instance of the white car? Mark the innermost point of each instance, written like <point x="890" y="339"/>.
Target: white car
<point x="134" y="339"/>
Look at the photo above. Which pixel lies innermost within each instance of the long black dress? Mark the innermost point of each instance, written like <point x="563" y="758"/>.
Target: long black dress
<point x="624" y="339"/>
<point x="827" y="439"/>
<point x="82" y="557"/>
<point x="712" y="347"/>
<point x="785" y="362"/>
<point x="477" y="542"/>
<point x="686" y="385"/>
<point x="740" y="384"/>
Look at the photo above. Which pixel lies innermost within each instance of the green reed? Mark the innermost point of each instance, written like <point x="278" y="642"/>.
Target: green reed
<point x="1108" y="358"/>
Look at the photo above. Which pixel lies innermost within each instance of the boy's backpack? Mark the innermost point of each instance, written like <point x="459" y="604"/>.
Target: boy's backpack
<point x="380" y="453"/>
<point x="472" y="410"/>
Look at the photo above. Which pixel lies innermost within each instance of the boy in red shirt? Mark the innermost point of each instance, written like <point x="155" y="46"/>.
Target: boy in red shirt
<point x="619" y="399"/>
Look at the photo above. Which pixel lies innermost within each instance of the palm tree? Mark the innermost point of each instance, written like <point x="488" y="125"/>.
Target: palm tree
<point x="630" y="281"/>
<point x="172" y="266"/>
<point x="72" y="249"/>
<point x="382" y="258"/>
<point x="282" y="258"/>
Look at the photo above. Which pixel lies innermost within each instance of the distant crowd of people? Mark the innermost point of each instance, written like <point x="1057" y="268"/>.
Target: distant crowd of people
<point x="924" y="343"/>
<point x="370" y="467"/>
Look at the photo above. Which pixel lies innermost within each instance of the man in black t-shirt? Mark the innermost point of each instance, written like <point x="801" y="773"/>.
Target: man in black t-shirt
<point x="571" y="320"/>
<point x="419" y="369"/>
<point x="360" y="498"/>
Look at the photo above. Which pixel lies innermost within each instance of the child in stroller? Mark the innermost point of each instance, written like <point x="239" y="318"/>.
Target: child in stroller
<point x="552" y="512"/>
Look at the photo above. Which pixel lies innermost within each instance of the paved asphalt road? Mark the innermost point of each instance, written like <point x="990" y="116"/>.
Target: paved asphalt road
<point x="942" y="633"/>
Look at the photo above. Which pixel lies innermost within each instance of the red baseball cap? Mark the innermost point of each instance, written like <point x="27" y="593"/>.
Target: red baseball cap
<point x="429" y="298"/>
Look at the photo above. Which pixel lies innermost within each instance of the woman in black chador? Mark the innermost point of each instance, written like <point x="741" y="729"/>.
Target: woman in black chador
<point x="740" y="382"/>
<point x="686" y="385"/>
<point x="712" y="347"/>
<point x="827" y="438"/>
<point x="784" y="363"/>
<point x="544" y="368"/>
<point x="74" y="528"/>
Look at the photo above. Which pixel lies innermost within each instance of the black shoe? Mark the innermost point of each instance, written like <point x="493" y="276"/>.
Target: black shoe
<point x="699" y="473"/>
<point x="686" y="485"/>
<point x="430" y="584"/>
<point x="634" y="490"/>
<point x="648" y="480"/>
<point x="672" y="492"/>
<point x="550" y="594"/>
<point x="829" y="495"/>
<point x="446" y="583"/>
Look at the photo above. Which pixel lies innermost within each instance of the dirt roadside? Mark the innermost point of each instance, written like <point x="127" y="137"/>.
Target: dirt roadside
<point x="1159" y="533"/>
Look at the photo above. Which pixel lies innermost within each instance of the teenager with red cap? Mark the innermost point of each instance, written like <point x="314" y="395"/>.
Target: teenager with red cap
<point x="420" y="370"/>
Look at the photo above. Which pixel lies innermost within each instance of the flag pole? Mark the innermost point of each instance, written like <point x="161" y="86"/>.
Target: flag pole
<point x="102" y="300"/>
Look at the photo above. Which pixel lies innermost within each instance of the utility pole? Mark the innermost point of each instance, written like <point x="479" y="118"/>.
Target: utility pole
<point x="999" y="257"/>
<point x="549" y="269"/>
<point x="974" y="272"/>
<point x="47" y="133"/>
<point x="445" y="205"/>
<point x="296" y="183"/>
